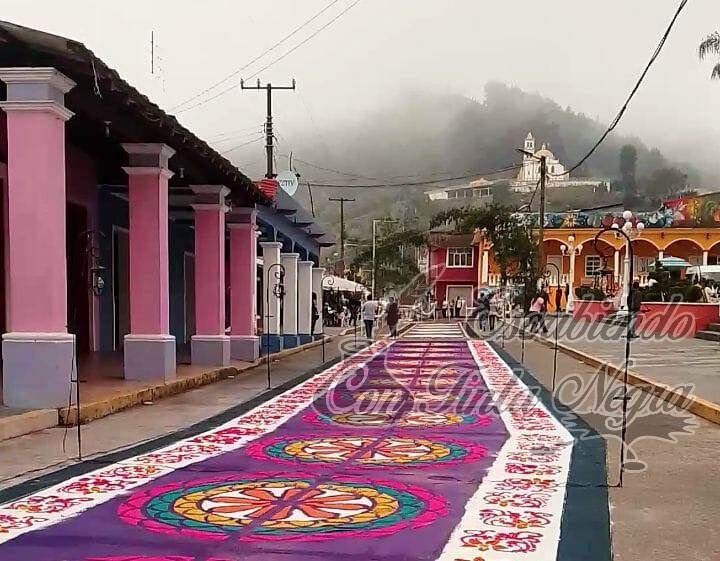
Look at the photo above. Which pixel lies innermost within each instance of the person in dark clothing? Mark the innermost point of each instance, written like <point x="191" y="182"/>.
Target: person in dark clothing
<point x="392" y="316"/>
<point x="354" y="308"/>
<point x="315" y="315"/>
<point x="634" y="307"/>
<point x="558" y="299"/>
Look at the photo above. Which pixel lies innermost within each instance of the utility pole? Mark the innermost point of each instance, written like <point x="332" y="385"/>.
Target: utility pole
<point x="270" y="174"/>
<point x="541" y="229"/>
<point x="342" y="201"/>
<point x="541" y="225"/>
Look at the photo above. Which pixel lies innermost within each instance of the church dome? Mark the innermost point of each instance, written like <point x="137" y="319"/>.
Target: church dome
<point x="544" y="152"/>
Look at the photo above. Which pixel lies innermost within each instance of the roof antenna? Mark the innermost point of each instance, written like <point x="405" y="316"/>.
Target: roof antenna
<point x="152" y="51"/>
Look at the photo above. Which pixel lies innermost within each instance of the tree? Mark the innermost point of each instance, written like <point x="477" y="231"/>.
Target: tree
<point x="395" y="265"/>
<point x="666" y="182"/>
<point x="514" y="246"/>
<point x="628" y="169"/>
<point x="711" y="46"/>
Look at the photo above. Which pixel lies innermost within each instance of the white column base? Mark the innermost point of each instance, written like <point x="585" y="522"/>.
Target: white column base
<point x="245" y="347"/>
<point x="150" y="357"/>
<point x="210" y="350"/>
<point x="38" y="369"/>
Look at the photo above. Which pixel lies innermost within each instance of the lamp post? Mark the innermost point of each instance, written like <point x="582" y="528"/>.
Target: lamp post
<point x="374" y="264"/>
<point x="557" y="320"/>
<point x="630" y="232"/>
<point x="629" y="328"/>
<point x="330" y="282"/>
<point x="573" y="250"/>
<point x="278" y="290"/>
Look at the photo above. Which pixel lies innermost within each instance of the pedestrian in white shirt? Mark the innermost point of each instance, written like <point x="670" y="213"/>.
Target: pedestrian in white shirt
<point x="369" y="312"/>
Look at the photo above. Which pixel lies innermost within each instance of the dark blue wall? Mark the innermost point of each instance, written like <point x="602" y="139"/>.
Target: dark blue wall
<point x="113" y="211"/>
<point x="182" y="239"/>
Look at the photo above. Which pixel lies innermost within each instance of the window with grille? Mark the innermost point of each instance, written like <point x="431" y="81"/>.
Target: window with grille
<point x="459" y="257"/>
<point x="593" y="265"/>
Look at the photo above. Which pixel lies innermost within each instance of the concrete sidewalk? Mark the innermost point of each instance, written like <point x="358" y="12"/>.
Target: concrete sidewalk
<point x="29" y="456"/>
<point x="668" y="511"/>
<point x="105" y="391"/>
<point x="662" y="362"/>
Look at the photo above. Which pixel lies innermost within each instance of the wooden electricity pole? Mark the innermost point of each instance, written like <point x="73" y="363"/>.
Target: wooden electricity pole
<point x="270" y="174"/>
<point x="541" y="229"/>
<point x="342" y="201"/>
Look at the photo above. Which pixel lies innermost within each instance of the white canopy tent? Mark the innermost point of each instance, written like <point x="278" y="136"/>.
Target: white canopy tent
<point x="332" y="282"/>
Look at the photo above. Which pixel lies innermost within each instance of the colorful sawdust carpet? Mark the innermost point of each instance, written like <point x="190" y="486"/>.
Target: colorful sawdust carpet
<point x="430" y="471"/>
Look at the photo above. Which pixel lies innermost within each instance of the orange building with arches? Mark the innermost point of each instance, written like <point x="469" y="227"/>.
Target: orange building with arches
<point x="579" y="257"/>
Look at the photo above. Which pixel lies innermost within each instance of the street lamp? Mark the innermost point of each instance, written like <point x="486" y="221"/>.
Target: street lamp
<point x="374" y="267"/>
<point x="573" y="251"/>
<point x="631" y="232"/>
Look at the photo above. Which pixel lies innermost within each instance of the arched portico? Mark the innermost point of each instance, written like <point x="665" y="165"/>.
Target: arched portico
<point x="687" y="249"/>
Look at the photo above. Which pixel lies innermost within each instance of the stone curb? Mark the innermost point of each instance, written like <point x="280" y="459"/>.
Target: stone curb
<point x="99" y="409"/>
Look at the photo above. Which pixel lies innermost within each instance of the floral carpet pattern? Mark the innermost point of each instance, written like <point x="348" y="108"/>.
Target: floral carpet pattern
<point x="428" y="447"/>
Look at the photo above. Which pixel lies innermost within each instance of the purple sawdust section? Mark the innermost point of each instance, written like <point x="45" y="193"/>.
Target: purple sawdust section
<point x="380" y="468"/>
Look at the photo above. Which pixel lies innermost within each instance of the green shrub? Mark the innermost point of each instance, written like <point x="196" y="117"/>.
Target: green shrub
<point x="652" y="296"/>
<point x="589" y="293"/>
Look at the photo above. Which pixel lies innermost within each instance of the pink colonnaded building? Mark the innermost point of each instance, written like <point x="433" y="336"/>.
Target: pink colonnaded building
<point x="124" y="234"/>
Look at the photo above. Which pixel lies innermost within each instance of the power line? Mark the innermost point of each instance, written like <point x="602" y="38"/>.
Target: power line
<point x="258" y="57"/>
<point x="328" y="24"/>
<point x="232" y="132"/>
<point x="235" y="138"/>
<point x="356" y="176"/>
<point x="243" y="144"/>
<point x="619" y="116"/>
<point x="333" y="170"/>
<point x="413" y="183"/>
<point x="278" y="59"/>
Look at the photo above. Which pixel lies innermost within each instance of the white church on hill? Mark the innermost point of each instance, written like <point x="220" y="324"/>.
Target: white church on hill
<point x="529" y="174"/>
<point x="530" y="171"/>
<point x="525" y="182"/>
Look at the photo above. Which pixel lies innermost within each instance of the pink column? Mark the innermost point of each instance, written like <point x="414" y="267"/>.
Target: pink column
<point x="210" y="345"/>
<point x="149" y="348"/>
<point x="244" y="342"/>
<point x="37" y="350"/>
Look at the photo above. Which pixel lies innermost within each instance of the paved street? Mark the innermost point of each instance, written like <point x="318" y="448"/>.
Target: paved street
<point x="674" y="362"/>
<point x="403" y="439"/>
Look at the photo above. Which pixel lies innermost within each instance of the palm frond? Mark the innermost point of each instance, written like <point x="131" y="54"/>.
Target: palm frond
<point x="711" y="45"/>
<point x="716" y="72"/>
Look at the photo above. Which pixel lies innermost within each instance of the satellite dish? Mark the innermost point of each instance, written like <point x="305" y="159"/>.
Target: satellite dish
<point x="288" y="182"/>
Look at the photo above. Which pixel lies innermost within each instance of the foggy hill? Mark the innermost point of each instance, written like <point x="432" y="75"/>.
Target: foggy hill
<point x="422" y="134"/>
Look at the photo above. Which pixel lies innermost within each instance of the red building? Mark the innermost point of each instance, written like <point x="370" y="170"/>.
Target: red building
<point x="453" y="263"/>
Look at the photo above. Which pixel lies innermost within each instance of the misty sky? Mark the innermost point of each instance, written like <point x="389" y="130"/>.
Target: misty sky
<point x="582" y="53"/>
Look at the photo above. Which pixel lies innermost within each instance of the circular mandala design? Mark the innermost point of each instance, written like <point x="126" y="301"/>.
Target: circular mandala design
<point x="281" y="507"/>
<point x="412" y="419"/>
<point x="365" y="451"/>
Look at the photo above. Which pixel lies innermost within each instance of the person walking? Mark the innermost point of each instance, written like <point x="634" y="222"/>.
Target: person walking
<point x="354" y="310"/>
<point x="392" y="316"/>
<point x="458" y="306"/>
<point x="369" y="312"/>
<point x="558" y="300"/>
<point x="314" y="314"/>
<point x="444" y="308"/>
<point x="634" y="309"/>
<point x="495" y="302"/>
<point x="536" y="314"/>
